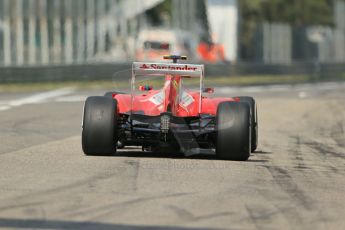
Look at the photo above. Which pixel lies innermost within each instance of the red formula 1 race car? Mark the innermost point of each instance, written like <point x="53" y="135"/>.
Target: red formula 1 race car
<point x="172" y="118"/>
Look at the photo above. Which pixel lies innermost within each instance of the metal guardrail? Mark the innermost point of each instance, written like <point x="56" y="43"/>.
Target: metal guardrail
<point x="120" y="72"/>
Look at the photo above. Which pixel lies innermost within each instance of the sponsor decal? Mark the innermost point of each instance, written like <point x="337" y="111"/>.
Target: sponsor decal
<point x="186" y="100"/>
<point x="158" y="98"/>
<point x="168" y="67"/>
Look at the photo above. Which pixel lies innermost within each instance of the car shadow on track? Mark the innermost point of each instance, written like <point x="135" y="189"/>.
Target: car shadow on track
<point x="139" y="154"/>
<point x="262" y="152"/>
<point x="61" y="224"/>
<point x="145" y="154"/>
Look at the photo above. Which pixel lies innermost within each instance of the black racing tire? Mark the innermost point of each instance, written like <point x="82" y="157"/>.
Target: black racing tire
<point x="233" y="131"/>
<point x="110" y="94"/>
<point x="99" y="135"/>
<point x="254" y="121"/>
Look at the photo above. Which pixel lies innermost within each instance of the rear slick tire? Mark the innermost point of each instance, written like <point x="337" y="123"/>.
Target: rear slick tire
<point x="233" y="131"/>
<point x="254" y="121"/>
<point x="99" y="135"/>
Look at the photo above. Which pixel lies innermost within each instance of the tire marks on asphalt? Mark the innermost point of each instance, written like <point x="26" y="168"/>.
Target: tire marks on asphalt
<point x="283" y="179"/>
<point x="296" y="154"/>
<point x="187" y="216"/>
<point x="134" y="167"/>
<point x="327" y="150"/>
<point x="338" y="133"/>
<point x="105" y="210"/>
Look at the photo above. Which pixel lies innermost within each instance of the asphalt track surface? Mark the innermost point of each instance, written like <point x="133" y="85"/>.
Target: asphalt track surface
<point x="296" y="179"/>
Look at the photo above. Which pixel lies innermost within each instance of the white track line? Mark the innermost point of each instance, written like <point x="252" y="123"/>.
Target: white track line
<point x="37" y="98"/>
<point x="4" y="107"/>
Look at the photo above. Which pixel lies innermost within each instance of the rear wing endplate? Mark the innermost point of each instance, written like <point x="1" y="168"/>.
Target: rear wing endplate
<point x="191" y="70"/>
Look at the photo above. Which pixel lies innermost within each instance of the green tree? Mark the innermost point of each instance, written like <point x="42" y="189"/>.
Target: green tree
<point x="293" y="12"/>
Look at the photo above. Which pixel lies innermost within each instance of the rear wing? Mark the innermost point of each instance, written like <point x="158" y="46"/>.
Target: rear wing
<point x="154" y="69"/>
<point x="191" y="70"/>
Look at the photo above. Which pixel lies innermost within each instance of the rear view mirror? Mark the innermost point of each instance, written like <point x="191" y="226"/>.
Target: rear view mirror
<point x="145" y="87"/>
<point x="208" y="90"/>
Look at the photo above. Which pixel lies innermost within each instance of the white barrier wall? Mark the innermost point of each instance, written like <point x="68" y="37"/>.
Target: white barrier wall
<point x="42" y="32"/>
<point x="223" y="22"/>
